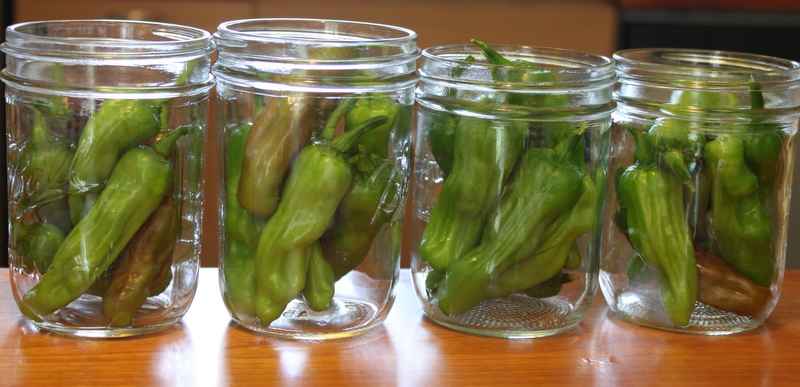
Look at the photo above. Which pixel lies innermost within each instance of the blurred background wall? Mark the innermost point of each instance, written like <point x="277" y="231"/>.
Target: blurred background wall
<point x="770" y="27"/>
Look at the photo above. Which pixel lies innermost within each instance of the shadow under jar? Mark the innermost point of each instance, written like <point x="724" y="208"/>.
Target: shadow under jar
<point x="315" y="143"/>
<point x="106" y="121"/>
<point x="509" y="176"/>
<point x="703" y="148"/>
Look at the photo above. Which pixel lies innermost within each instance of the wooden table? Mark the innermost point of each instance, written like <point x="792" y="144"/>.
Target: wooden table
<point x="207" y="349"/>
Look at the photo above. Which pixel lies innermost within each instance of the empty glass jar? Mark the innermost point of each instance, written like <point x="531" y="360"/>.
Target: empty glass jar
<point x="105" y="132"/>
<point x="703" y="149"/>
<point x="315" y="143"/>
<point x="509" y="179"/>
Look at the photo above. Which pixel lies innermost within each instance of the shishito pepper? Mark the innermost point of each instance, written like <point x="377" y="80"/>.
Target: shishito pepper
<point x="657" y="228"/>
<point x="242" y="230"/>
<point x="485" y="154"/>
<point x="315" y="185"/>
<point x="239" y="224"/>
<point x="740" y="228"/>
<point x="544" y="185"/>
<point x="134" y="190"/>
<point x="239" y="280"/>
<point x="37" y="244"/>
<point x="319" y="287"/>
<point x="147" y="255"/>
<point x="277" y="134"/>
<point x="360" y="215"/>
<point x="373" y="105"/>
<point x="555" y="248"/>
<point x="722" y="287"/>
<point x="118" y="125"/>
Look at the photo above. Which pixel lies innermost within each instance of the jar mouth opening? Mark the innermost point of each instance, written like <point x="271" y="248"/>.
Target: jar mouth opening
<point x="104" y="37"/>
<point x="313" y="31"/>
<point x="704" y="65"/>
<point x="549" y="59"/>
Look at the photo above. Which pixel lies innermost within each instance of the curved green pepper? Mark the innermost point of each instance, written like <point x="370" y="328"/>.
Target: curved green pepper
<point x="657" y="228"/>
<point x="741" y="229"/>
<point x="555" y="248"/>
<point x="134" y="190"/>
<point x="118" y="125"/>
<point x="239" y="224"/>
<point x="543" y="186"/>
<point x="360" y="215"/>
<point x="238" y="275"/>
<point x="373" y="105"/>
<point x="319" y="287"/>
<point x="485" y="154"/>
<point x="316" y="184"/>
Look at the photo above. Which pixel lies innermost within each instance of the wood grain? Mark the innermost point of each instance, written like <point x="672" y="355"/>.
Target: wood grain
<point x="206" y="348"/>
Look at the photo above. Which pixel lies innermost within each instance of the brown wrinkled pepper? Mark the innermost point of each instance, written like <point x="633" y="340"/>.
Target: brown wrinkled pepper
<point x="144" y="264"/>
<point x="721" y="286"/>
<point x="278" y="133"/>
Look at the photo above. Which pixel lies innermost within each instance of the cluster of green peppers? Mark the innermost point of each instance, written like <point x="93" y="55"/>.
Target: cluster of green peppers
<point x="512" y="205"/>
<point x="98" y="216"/>
<point x="304" y="205"/>
<point x="695" y="206"/>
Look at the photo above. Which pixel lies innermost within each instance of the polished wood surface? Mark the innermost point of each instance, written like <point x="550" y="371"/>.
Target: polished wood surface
<point x="207" y="349"/>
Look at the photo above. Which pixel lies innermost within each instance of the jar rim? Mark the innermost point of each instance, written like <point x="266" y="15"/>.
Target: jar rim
<point x="578" y="59"/>
<point x="701" y="64"/>
<point x="287" y="29"/>
<point x="93" y="38"/>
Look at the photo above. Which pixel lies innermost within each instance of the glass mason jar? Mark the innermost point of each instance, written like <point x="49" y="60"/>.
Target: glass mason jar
<point x="509" y="177"/>
<point x="314" y="143"/>
<point x="105" y="132"/>
<point x="703" y="148"/>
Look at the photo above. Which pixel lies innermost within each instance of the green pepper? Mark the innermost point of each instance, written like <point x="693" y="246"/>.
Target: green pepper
<point x="551" y="286"/>
<point x="555" y="248"/>
<point x="147" y="254"/>
<point x="278" y="133"/>
<point x="740" y="228"/>
<point x="441" y="127"/>
<point x="485" y="153"/>
<point x="134" y="190"/>
<point x="762" y="148"/>
<point x="37" y="244"/>
<point x="373" y="105"/>
<point x="679" y="143"/>
<point x="239" y="224"/>
<point x="544" y="185"/>
<point x="360" y="215"/>
<point x="657" y="228"/>
<point x="239" y="280"/>
<point x="314" y="187"/>
<point x="242" y="231"/>
<point x="522" y="72"/>
<point x="46" y="158"/>
<point x="319" y="287"/>
<point x="118" y="125"/>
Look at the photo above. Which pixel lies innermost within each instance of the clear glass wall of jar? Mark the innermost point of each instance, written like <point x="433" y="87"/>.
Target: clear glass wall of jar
<point x="106" y="121"/>
<point x="509" y="176"/>
<point x="703" y="148"/>
<point x="315" y="143"/>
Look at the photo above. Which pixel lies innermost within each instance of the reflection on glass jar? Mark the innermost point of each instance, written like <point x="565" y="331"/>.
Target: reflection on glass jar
<point x="105" y="131"/>
<point x="703" y="148"/>
<point x="509" y="177"/>
<point x="315" y="144"/>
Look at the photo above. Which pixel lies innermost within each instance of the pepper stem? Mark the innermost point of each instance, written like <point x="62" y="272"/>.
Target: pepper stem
<point x="347" y="140"/>
<point x="329" y="130"/>
<point x="165" y="143"/>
